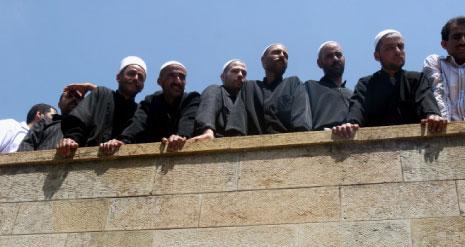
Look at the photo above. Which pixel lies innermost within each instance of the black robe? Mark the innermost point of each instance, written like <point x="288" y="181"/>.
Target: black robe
<point x="43" y="135"/>
<point x="215" y="106"/>
<point x="329" y="103"/>
<point x="155" y="119"/>
<point x="279" y="107"/>
<point x="99" y="117"/>
<point x="377" y="101"/>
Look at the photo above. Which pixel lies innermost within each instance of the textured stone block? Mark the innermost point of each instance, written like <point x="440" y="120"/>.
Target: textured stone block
<point x="78" y="216"/>
<point x="46" y="240"/>
<point x="110" y="239"/>
<point x="270" y="207"/>
<point x="34" y="217"/>
<point x="113" y="178"/>
<point x="448" y="232"/>
<point x="228" y="236"/>
<point x="400" y="200"/>
<point x="363" y="233"/>
<point x="23" y="183"/>
<point x="153" y="212"/>
<point x="8" y="212"/>
<point x="461" y="193"/>
<point x="203" y="173"/>
<point x="320" y="166"/>
<point x="435" y="159"/>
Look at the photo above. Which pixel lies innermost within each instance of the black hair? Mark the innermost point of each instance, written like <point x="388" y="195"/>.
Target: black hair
<point x="459" y="20"/>
<point x="41" y="108"/>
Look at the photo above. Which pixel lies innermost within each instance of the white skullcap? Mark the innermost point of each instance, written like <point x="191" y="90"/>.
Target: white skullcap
<point x="268" y="47"/>
<point x="324" y="44"/>
<point x="172" y="62"/>
<point x="231" y="61"/>
<point x="130" y="60"/>
<point x="383" y="33"/>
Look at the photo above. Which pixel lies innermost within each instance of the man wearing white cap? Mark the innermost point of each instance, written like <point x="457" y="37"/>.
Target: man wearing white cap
<point x="274" y="105"/>
<point x="447" y="73"/>
<point x="166" y="115"/>
<point x="104" y="113"/>
<point x="329" y="98"/>
<point x="392" y="95"/>
<point x="217" y="101"/>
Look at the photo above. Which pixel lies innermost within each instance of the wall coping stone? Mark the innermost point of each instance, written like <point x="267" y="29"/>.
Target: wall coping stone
<point x="234" y="144"/>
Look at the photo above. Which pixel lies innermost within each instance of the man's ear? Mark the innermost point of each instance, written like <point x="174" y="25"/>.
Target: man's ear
<point x="319" y="63"/>
<point x="159" y="81"/>
<point x="118" y="77"/>
<point x="376" y="55"/>
<point x="444" y="44"/>
<point x="222" y="76"/>
<point x="38" y="116"/>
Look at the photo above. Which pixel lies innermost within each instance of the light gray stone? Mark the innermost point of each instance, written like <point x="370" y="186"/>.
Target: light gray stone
<point x="399" y="201"/>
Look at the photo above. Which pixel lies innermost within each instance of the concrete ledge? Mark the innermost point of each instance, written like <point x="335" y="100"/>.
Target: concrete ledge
<point x="234" y="144"/>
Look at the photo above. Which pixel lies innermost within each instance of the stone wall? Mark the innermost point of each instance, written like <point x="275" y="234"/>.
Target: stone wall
<point x="389" y="186"/>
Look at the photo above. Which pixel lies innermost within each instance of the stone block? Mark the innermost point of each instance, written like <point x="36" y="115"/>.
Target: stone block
<point x="363" y="233"/>
<point x="154" y="212"/>
<point x="46" y="240"/>
<point x="8" y="212"/>
<point x="80" y="215"/>
<point x="270" y="207"/>
<point x="193" y="174"/>
<point x="446" y="231"/>
<point x="110" y="239"/>
<point x="34" y="217"/>
<point x="23" y="182"/>
<point x="228" y="236"/>
<point x="461" y="195"/>
<point x="320" y="166"/>
<point x="399" y="200"/>
<point x="111" y="178"/>
<point x="434" y="159"/>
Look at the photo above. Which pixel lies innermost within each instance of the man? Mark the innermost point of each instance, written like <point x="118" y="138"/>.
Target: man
<point x="46" y="133"/>
<point x="392" y="95"/>
<point x="166" y="115"/>
<point x="105" y="113"/>
<point x="274" y="105"/>
<point x="448" y="73"/>
<point x="217" y="101"/>
<point x="329" y="98"/>
<point x="12" y="132"/>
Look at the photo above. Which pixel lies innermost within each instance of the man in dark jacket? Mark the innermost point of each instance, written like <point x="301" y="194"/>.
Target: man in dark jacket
<point x="166" y="115"/>
<point x="392" y="95"/>
<point x="217" y="101"/>
<point x="46" y="133"/>
<point x="274" y="105"/>
<point x="104" y="113"/>
<point x="329" y="98"/>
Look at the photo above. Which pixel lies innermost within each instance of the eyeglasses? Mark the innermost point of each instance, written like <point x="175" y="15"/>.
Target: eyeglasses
<point x="457" y="36"/>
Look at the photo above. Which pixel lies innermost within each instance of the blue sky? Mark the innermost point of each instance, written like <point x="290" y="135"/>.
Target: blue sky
<point x="47" y="44"/>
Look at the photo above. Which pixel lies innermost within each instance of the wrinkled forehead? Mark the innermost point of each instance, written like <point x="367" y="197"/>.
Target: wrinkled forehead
<point x="331" y="47"/>
<point x="391" y="39"/>
<point x="236" y="65"/>
<point x="135" y="67"/>
<point x="275" y="47"/>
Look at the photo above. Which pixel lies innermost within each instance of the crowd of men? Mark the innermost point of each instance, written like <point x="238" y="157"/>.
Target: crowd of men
<point x="276" y="104"/>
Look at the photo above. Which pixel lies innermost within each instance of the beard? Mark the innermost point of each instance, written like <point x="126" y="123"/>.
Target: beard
<point x="334" y="71"/>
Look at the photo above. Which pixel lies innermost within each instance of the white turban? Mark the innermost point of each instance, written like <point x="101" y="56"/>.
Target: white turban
<point x="383" y="33"/>
<point x="172" y="62"/>
<point x="132" y="60"/>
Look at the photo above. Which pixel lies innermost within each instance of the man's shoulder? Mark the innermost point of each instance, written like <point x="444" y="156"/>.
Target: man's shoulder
<point x="212" y="89"/>
<point x="413" y="74"/>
